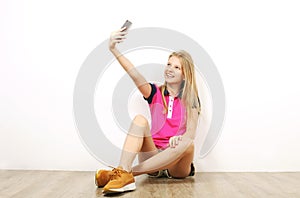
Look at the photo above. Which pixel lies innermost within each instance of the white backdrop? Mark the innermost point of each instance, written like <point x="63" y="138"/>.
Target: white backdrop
<point x="255" y="46"/>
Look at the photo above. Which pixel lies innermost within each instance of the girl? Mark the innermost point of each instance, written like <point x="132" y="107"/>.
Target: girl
<point x="168" y="144"/>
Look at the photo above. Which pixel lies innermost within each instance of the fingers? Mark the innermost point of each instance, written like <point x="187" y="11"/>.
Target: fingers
<point x="119" y="32"/>
<point x="171" y="142"/>
<point x="118" y="40"/>
<point x="174" y="141"/>
<point x="123" y="28"/>
<point x="180" y="137"/>
<point x="118" y="36"/>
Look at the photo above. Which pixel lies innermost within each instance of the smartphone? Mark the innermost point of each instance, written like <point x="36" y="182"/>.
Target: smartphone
<point x="127" y="24"/>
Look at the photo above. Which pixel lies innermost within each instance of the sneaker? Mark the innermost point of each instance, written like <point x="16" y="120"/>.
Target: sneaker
<point x="121" y="181"/>
<point x="167" y="174"/>
<point x="102" y="177"/>
<point x="192" y="173"/>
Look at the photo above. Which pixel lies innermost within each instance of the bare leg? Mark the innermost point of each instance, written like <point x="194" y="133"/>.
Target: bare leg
<point x="182" y="168"/>
<point x="138" y="140"/>
<point x="171" y="158"/>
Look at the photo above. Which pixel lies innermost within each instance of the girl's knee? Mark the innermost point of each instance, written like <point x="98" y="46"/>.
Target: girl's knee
<point x="140" y="120"/>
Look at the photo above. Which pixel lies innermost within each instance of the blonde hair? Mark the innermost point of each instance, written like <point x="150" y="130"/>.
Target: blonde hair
<point x="188" y="91"/>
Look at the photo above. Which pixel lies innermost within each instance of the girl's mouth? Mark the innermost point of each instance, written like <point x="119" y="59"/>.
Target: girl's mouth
<point x="169" y="75"/>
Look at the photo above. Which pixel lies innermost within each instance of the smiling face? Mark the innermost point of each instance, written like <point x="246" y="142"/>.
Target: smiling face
<point x="173" y="71"/>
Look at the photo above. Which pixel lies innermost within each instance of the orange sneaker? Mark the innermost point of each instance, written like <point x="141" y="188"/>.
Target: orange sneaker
<point x="121" y="181"/>
<point x="102" y="177"/>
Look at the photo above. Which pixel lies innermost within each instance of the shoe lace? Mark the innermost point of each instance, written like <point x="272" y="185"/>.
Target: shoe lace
<point x="117" y="173"/>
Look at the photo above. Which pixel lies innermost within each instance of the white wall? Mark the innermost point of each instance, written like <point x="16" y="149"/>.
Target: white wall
<point x="255" y="46"/>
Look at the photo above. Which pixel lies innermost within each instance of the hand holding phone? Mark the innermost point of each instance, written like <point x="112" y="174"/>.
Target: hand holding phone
<point x="119" y="35"/>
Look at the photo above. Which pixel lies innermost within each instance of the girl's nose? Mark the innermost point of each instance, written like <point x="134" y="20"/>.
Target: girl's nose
<point x="169" y="69"/>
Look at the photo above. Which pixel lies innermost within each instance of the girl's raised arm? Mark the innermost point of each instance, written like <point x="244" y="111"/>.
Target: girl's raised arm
<point x="141" y="83"/>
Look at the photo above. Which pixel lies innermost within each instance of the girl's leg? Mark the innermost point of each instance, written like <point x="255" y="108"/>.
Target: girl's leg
<point x="182" y="168"/>
<point x="171" y="158"/>
<point x="138" y="140"/>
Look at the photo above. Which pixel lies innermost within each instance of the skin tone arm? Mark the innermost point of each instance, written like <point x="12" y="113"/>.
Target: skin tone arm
<point x="192" y="124"/>
<point x="118" y="37"/>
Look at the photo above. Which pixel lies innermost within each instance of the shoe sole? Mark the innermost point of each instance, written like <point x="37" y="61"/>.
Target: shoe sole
<point x="128" y="187"/>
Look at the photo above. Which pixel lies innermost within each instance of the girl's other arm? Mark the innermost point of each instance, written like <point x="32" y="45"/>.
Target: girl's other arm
<point x="191" y="124"/>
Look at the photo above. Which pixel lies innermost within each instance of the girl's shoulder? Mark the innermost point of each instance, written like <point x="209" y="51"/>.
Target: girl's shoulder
<point x="154" y="89"/>
<point x="155" y="94"/>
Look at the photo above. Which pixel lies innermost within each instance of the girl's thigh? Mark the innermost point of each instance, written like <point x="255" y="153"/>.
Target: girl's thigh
<point x="182" y="167"/>
<point x="148" y="149"/>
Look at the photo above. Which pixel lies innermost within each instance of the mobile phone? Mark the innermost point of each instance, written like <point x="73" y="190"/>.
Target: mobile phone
<point x="127" y="24"/>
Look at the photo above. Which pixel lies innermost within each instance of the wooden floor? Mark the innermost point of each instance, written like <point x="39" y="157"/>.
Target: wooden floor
<point x="40" y="184"/>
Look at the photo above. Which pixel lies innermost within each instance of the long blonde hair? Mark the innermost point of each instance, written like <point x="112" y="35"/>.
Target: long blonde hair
<point x="188" y="91"/>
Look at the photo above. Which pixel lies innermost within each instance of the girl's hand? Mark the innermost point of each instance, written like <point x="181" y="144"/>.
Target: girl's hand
<point x="174" y="141"/>
<point x="117" y="37"/>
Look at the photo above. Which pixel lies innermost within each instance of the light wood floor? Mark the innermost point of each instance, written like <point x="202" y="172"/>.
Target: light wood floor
<point x="40" y="184"/>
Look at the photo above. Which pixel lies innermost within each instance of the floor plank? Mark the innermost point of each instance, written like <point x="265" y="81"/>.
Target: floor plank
<point x="77" y="184"/>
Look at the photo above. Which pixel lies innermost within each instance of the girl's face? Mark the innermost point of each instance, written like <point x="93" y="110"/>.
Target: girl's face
<point x="173" y="71"/>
